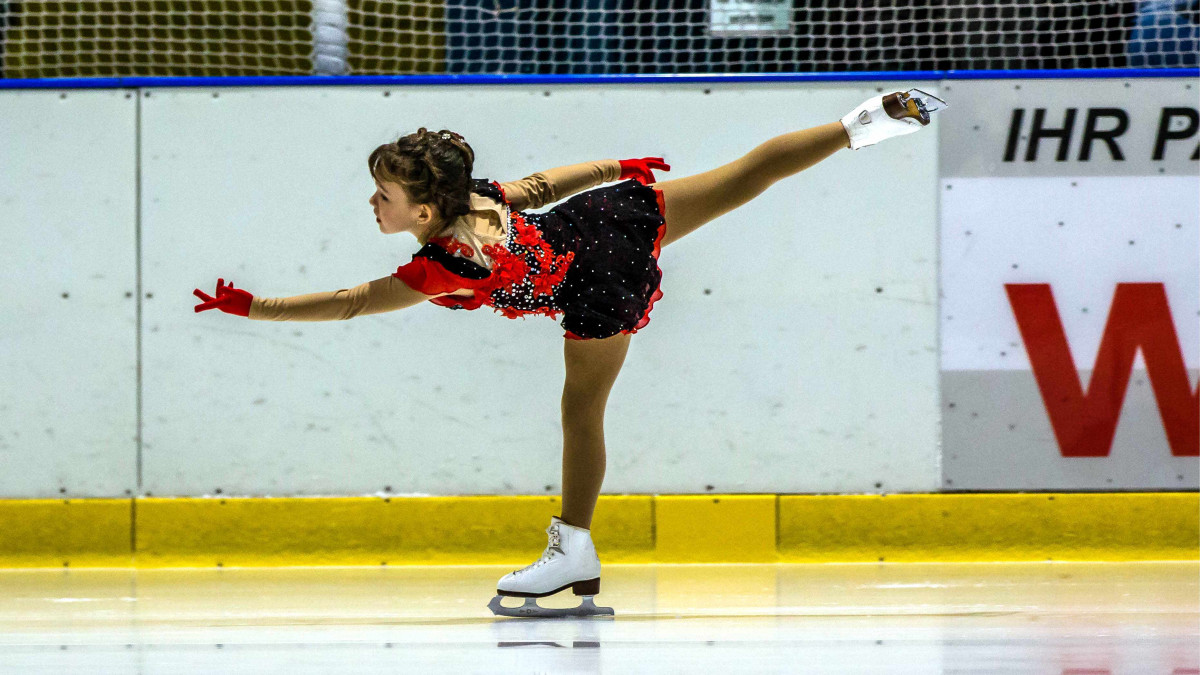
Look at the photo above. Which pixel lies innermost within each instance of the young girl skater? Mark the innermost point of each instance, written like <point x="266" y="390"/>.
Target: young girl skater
<point x="591" y="260"/>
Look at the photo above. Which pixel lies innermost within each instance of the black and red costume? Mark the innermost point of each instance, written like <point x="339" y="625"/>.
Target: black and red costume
<point x="593" y="259"/>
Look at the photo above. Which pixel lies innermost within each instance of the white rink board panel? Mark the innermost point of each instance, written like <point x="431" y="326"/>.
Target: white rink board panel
<point x="68" y="346"/>
<point x="794" y="348"/>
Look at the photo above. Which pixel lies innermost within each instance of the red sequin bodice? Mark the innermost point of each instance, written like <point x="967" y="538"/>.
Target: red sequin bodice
<point x="526" y="273"/>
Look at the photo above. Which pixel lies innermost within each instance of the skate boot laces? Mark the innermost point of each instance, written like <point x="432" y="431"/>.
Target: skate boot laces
<point x="554" y="546"/>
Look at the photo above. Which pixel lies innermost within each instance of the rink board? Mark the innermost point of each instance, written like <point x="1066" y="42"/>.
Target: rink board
<point x="794" y="348"/>
<point x="159" y="532"/>
<point x="68" y="294"/>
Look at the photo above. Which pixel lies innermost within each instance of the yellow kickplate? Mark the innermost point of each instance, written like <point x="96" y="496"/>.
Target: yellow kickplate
<point x="466" y="530"/>
<point x="720" y="528"/>
<point x="989" y="527"/>
<point x="510" y="530"/>
<point x="65" y="532"/>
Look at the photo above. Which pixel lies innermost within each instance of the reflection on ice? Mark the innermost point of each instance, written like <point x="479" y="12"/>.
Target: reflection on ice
<point x="1054" y="618"/>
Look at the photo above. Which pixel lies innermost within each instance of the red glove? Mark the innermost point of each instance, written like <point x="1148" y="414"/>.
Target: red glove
<point x="639" y="169"/>
<point x="229" y="299"/>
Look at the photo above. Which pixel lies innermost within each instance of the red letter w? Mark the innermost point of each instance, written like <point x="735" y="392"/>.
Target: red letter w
<point x="1085" y="424"/>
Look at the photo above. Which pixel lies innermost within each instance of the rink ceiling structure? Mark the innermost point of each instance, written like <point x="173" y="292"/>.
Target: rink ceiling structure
<point x="854" y="380"/>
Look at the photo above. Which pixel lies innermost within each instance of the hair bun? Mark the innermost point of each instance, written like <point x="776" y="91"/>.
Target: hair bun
<point x="433" y="167"/>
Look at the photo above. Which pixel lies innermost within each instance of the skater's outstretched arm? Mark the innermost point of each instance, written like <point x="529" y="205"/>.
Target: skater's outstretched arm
<point x="374" y="297"/>
<point x="386" y="294"/>
<point x="552" y="185"/>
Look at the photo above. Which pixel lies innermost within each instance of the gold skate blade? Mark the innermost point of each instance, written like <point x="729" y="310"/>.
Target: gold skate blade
<point x="920" y="104"/>
<point x="530" y="609"/>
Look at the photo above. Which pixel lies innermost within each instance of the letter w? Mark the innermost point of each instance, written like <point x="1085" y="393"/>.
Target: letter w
<point x="1085" y="424"/>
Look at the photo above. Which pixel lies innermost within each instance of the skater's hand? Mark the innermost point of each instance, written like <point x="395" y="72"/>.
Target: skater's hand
<point x="229" y="299"/>
<point x="639" y="169"/>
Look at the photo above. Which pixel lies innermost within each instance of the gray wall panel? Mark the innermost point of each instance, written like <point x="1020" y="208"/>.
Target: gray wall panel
<point x="994" y="128"/>
<point x="997" y="436"/>
<point x="68" y="408"/>
<point x="794" y="349"/>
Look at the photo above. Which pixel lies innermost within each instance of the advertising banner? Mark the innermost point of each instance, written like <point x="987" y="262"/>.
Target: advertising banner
<point x="1070" y="276"/>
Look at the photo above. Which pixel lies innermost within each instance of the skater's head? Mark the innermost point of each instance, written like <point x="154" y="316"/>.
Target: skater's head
<point x="422" y="182"/>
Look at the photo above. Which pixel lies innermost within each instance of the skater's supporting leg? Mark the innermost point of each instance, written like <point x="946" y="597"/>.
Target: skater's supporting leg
<point x="692" y="201"/>
<point x="591" y="369"/>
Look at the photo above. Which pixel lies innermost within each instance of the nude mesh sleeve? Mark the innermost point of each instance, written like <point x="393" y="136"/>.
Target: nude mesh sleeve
<point x="381" y="295"/>
<point x="552" y="185"/>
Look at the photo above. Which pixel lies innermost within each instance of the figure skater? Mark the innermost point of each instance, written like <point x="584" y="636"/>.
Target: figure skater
<point x="591" y="260"/>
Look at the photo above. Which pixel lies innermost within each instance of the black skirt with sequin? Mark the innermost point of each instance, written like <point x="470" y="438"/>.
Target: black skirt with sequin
<point x="613" y="281"/>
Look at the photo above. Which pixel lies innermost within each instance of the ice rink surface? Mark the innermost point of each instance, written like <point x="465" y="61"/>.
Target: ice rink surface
<point x="1030" y="618"/>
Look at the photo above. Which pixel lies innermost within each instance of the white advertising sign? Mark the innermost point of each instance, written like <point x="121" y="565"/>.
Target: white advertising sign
<point x="1070" y="276"/>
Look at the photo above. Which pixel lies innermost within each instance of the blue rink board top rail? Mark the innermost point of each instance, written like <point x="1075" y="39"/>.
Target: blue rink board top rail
<point x="474" y="79"/>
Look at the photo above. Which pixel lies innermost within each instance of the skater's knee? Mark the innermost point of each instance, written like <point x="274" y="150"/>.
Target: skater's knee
<point x="583" y="410"/>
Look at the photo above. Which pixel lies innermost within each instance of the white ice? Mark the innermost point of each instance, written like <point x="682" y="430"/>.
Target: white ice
<point x="1029" y="618"/>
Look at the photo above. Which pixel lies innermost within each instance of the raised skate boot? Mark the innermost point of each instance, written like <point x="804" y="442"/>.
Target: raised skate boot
<point x="569" y="561"/>
<point x="895" y="114"/>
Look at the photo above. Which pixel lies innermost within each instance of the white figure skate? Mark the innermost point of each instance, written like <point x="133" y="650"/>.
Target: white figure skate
<point x="895" y="114"/>
<point x="569" y="561"/>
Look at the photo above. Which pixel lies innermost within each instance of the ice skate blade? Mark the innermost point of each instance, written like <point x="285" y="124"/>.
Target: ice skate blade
<point x="919" y="104"/>
<point x="533" y="610"/>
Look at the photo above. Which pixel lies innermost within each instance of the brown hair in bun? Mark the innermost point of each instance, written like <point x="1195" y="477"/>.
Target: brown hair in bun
<point x="432" y="167"/>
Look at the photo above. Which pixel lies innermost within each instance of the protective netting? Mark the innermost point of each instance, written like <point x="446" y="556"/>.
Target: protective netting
<point x="300" y="37"/>
<point x="152" y="38"/>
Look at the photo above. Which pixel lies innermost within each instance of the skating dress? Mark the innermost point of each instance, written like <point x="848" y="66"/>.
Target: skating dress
<point x="593" y="260"/>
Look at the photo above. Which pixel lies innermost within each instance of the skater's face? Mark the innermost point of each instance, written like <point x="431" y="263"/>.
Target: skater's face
<point x="395" y="212"/>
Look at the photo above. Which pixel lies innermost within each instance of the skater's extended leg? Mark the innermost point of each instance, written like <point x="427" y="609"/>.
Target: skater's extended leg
<point x="591" y="369"/>
<point x="692" y="201"/>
